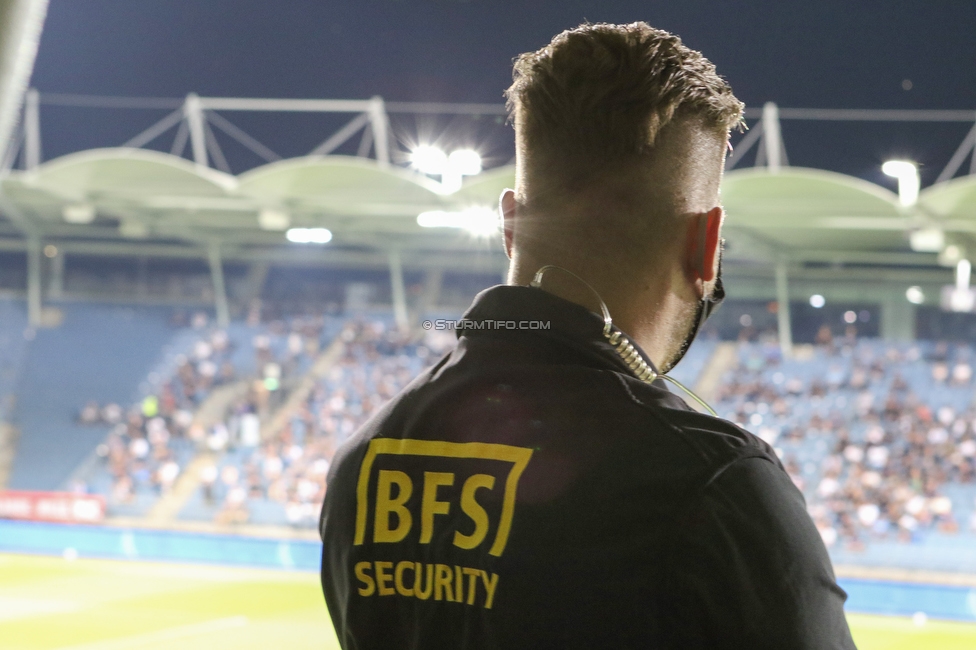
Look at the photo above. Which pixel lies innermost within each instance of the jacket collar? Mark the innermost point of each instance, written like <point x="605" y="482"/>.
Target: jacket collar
<point x="505" y="309"/>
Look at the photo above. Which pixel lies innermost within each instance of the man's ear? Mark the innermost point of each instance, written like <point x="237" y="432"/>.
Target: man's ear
<point x="702" y="244"/>
<point x="713" y="235"/>
<point x="506" y="211"/>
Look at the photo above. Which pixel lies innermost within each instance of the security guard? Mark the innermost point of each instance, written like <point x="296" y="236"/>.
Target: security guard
<point x="540" y="487"/>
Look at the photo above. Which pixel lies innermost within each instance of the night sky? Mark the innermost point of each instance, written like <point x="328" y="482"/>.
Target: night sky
<point x="800" y="54"/>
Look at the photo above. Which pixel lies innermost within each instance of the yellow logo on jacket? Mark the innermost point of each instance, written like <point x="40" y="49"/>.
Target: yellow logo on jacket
<point x="393" y="521"/>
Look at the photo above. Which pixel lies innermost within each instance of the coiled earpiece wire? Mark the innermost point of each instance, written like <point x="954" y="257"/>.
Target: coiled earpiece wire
<point x="619" y="341"/>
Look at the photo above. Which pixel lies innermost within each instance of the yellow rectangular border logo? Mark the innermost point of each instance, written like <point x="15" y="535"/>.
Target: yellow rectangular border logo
<point x="518" y="456"/>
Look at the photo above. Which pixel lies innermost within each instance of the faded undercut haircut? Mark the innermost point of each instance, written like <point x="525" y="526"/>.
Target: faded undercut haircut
<point x="598" y="97"/>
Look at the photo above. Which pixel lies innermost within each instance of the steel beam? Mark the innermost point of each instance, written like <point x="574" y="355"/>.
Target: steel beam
<point x="55" y="283"/>
<point x="399" y="292"/>
<point x="897" y="317"/>
<point x="433" y="282"/>
<point x="157" y="130"/>
<point x="193" y="110"/>
<point x="338" y="138"/>
<point x="219" y="288"/>
<point x="965" y="148"/>
<point x="772" y="137"/>
<point x="379" y="122"/>
<point x="745" y="144"/>
<point x="869" y="114"/>
<point x="784" y="325"/>
<point x="21" y="22"/>
<point x="34" y="299"/>
<point x="285" y="105"/>
<point x="32" y="130"/>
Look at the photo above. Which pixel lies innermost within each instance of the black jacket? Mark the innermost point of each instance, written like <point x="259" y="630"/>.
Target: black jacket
<point x="529" y="491"/>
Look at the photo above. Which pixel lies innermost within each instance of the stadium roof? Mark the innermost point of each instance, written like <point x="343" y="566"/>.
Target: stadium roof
<point x="139" y="194"/>
<point x="953" y="202"/>
<point x="133" y="201"/>
<point x="152" y="195"/>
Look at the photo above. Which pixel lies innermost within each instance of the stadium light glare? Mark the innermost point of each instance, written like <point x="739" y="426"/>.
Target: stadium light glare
<point x="950" y="255"/>
<point x="309" y="235"/>
<point x="464" y="161"/>
<point x="271" y="219"/>
<point x="915" y="295"/>
<point x="960" y="297"/>
<point x="133" y="229"/>
<point x="429" y="160"/>
<point x="959" y="300"/>
<point x="817" y="301"/>
<point x="79" y="213"/>
<point x="908" y="181"/>
<point x="451" y="168"/>
<point x="927" y="240"/>
<point x="477" y="221"/>
<point x="964" y="271"/>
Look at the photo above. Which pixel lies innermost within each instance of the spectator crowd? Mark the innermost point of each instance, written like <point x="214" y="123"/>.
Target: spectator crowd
<point x="880" y="437"/>
<point x="876" y="435"/>
<point x="151" y="442"/>
<point x="289" y="468"/>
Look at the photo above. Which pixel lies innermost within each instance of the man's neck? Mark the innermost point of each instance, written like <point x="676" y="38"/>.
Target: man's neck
<point x="641" y="310"/>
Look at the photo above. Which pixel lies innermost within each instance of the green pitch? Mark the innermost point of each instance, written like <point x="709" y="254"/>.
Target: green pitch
<point x="50" y="602"/>
<point x="86" y="604"/>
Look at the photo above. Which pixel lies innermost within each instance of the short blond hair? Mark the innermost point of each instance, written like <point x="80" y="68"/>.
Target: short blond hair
<point x="599" y="95"/>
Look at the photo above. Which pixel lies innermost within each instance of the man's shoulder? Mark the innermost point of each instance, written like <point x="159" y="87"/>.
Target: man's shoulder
<point x="716" y="441"/>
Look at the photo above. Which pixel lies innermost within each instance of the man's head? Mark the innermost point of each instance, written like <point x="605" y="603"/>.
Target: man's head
<point x="621" y="133"/>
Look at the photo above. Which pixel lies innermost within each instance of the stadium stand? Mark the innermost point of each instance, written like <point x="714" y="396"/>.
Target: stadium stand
<point x="14" y="340"/>
<point x="100" y="352"/>
<point x="282" y="480"/>
<point x="241" y="371"/>
<point x="689" y="371"/>
<point x="879" y="436"/>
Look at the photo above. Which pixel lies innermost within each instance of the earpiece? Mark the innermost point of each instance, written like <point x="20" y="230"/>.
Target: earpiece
<point x="620" y="343"/>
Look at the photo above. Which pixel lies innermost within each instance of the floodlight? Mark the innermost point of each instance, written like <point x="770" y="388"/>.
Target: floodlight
<point x="271" y="219"/>
<point x="80" y="213"/>
<point x="434" y="162"/>
<point x="915" y="295"/>
<point x="309" y="235"/>
<point x="958" y="300"/>
<point x="927" y="240"/>
<point x="463" y="162"/>
<point x="964" y="271"/>
<point x="437" y="219"/>
<point x="477" y="221"/>
<point x="466" y="162"/>
<point x="817" y="301"/>
<point x="898" y="168"/>
<point x="133" y="229"/>
<point x="429" y="160"/>
<point x="951" y="254"/>
<point x="908" y="182"/>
